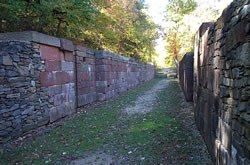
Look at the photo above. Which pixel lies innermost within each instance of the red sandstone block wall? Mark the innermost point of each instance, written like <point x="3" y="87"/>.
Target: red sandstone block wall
<point x="58" y="76"/>
<point x="85" y="76"/>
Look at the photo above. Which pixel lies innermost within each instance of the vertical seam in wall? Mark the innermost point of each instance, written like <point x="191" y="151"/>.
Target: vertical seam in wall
<point x="76" y="80"/>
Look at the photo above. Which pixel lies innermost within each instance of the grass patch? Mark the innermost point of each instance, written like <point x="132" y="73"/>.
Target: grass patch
<point x="77" y="135"/>
<point x="142" y="139"/>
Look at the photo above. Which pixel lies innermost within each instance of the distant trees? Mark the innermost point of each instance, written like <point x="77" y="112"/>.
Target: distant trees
<point x="184" y="18"/>
<point x="175" y="12"/>
<point x="120" y="26"/>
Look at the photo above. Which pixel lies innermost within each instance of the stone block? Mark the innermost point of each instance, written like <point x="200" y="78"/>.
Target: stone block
<point x="50" y="53"/>
<point x="31" y="36"/>
<point x="236" y="35"/>
<point x="227" y="82"/>
<point x="62" y="77"/>
<point x="81" y="100"/>
<point x="59" y="99"/>
<point x="13" y="96"/>
<point x="103" y="68"/>
<point x="82" y="76"/>
<point x="57" y="113"/>
<point x="47" y="79"/>
<point x="67" y="66"/>
<point x="6" y="60"/>
<point x="103" y="76"/>
<point x="101" y="83"/>
<point x="68" y="56"/>
<point x="245" y="117"/>
<point x="66" y="45"/>
<point x="54" y="90"/>
<point x="28" y="110"/>
<point x="101" y="97"/>
<point x="224" y="91"/>
<point x="52" y="66"/>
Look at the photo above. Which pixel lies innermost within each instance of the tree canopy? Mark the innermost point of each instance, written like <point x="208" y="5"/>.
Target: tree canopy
<point x="184" y="18"/>
<point x="120" y="26"/>
<point x="175" y="12"/>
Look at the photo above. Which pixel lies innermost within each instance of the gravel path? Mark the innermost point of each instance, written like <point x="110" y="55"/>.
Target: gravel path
<point x="145" y="103"/>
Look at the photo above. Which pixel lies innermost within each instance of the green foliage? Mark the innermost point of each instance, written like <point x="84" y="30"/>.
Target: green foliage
<point x="116" y="25"/>
<point x="178" y="36"/>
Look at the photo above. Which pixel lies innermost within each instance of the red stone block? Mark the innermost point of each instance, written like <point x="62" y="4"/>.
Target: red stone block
<point x="68" y="56"/>
<point x="50" y="53"/>
<point x="47" y="79"/>
<point x="82" y="76"/>
<point x="52" y="66"/>
<point x="62" y="78"/>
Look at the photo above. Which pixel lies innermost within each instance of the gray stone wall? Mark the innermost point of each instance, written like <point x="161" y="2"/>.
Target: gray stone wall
<point x="24" y="103"/>
<point x="222" y="84"/>
<point x="44" y="78"/>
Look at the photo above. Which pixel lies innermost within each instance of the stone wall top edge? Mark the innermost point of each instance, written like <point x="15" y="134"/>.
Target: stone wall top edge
<point x="80" y="48"/>
<point x="110" y="55"/>
<point x="37" y="37"/>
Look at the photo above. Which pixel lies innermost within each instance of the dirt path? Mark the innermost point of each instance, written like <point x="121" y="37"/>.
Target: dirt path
<point x="151" y="124"/>
<point x="145" y="102"/>
<point x="171" y="153"/>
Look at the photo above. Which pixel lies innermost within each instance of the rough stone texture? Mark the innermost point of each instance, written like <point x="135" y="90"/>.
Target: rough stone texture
<point x="222" y="83"/>
<point x="24" y="103"/>
<point x="59" y="78"/>
<point x="86" y="76"/>
<point x="185" y="75"/>
<point x="44" y="78"/>
<point x="116" y="74"/>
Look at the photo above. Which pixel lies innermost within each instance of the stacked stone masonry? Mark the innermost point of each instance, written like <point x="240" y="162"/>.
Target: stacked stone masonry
<point x="222" y="84"/>
<point x="185" y="75"/>
<point x="44" y="78"/>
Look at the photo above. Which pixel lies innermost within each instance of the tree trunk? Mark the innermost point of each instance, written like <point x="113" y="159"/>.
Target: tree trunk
<point x="58" y="29"/>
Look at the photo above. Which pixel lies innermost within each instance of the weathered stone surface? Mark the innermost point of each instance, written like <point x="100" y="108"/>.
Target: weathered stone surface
<point x="66" y="45"/>
<point x="43" y="83"/>
<point x="6" y="60"/>
<point x="67" y="66"/>
<point x="21" y="90"/>
<point x="14" y="95"/>
<point x="50" y="53"/>
<point x="228" y="53"/>
<point x="31" y="36"/>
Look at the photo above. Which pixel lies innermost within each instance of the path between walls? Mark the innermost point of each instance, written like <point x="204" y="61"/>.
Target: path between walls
<point x="144" y="104"/>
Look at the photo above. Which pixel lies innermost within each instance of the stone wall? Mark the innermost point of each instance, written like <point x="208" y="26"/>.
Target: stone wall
<point x="86" y="75"/>
<point x="185" y="75"/>
<point x="44" y="78"/>
<point x="58" y="77"/>
<point x="222" y="84"/>
<point x="24" y="102"/>
<point x="116" y="74"/>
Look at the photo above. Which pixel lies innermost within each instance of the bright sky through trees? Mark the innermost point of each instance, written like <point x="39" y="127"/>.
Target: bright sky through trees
<point x="156" y="9"/>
